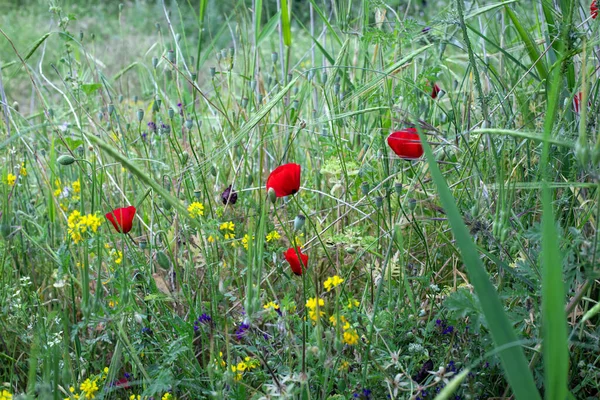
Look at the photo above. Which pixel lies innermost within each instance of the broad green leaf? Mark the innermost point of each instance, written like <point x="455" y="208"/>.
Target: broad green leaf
<point x="286" y="28"/>
<point x="90" y="88"/>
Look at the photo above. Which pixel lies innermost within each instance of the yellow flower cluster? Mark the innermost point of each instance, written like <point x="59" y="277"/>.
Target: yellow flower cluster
<point x="89" y="388"/>
<point x="273" y="235"/>
<point x="229" y="228"/>
<point x="167" y="396"/>
<point x="352" y="303"/>
<point x="10" y="180"/>
<point x="271" y="305"/>
<point x="79" y="224"/>
<point x="196" y="209"/>
<point x="350" y="337"/>
<point x="245" y="240"/>
<point x="76" y="185"/>
<point x="5" y="395"/>
<point x="332" y="281"/>
<point x="311" y="304"/>
<point x="247" y="365"/>
<point x="23" y="171"/>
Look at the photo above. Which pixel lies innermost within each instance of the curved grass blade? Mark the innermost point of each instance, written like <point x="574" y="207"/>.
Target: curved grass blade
<point x="512" y="358"/>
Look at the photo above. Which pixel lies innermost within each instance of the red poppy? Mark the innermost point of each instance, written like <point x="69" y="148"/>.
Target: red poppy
<point x="406" y="144"/>
<point x="122" y="218"/>
<point x="285" y="180"/>
<point x="292" y="258"/>
<point x="594" y="9"/>
<point x="435" y="91"/>
<point x="577" y="102"/>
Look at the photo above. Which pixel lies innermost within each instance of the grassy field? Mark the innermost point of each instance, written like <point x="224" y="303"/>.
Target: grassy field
<point x="299" y="199"/>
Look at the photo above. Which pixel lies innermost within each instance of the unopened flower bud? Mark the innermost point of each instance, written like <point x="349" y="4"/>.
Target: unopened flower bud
<point x="398" y="188"/>
<point x="111" y="109"/>
<point x="364" y="188"/>
<point x="271" y="195"/>
<point x="65" y="159"/>
<point x="213" y="72"/>
<point x="274" y="57"/>
<point x="140" y="115"/>
<point x="412" y="204"/>
<point x="379" y="201"/>
<point x="189" y="124"/>
<point x="171" y="113"/>
<point x="299" y="222"/>
<point x="244" y="102"/>
<point x="171" y="56"/>
<point x="154" y="62"/>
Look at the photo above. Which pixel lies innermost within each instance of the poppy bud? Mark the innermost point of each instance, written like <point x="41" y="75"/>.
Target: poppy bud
<point x="274" y="57"/>
<point x="185" y="156"/>
<point x="364" y="188"/>
<point x="299" y="222"/>
<point x="135" y="99"/>
<point x="194" y="76"/>
<point x="253" y="84"/>
<point x="51" y="113"/>
<point x="295" y="104"/>
<point x="412" y="204"/>
<point x="100" y="115"/>
<point x="154" y="62"/>
<point x="379" y="201"/>
<point x="197" y="194"/>
<point x="229" y="196"/>
<point x="213" y="72"/>
<point x="398" y="188"/>
<point x="66" y="159"/>
<point x="163" y="260"/>
<point x="189" y="124"/>
<point x="260" y="98"/>
<point x="121" y="98"/>
<point x="336" y="88"/>
<point x="140" y="115"/>
<point x="310" y="75"/>
<point x="323" y="78"/>
<point x="295" y="90"/>
<point x="80" y="35"/>
<point x="271" y="195"/>
<point x="111" y="109"/>
<point x="219" y="56"/>
<point x="16" y="106"/>
<point x="143" y="244"/>
<point x="213" y="170"/>
<point x="156" y="105"/>
<point x="244" y="102"/>
<point x="171" y="56"/>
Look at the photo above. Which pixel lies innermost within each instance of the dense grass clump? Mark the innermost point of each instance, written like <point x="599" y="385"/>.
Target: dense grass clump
<point x="285" y="199"/>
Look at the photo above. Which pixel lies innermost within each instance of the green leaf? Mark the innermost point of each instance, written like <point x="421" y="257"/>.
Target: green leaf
<point x="453" y="385"/>
<point x="530" y="46"/>
<point x="35" y="46"/>
<point x="514" y="363"/>
<point x="90" y="88"/>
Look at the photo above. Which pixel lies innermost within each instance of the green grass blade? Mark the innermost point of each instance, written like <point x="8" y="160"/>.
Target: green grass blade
<point x="554" y="319"/>
<point x="525" y="135"/>
<point x="530" y="46"/>
<point x="285" y="24"/>
<point x="487" y="8"/>
<point x="453" y="385"/>
<point x="512" y="358"/>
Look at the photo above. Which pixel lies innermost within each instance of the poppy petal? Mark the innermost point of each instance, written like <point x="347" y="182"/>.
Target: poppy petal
<point x="406" y="144"/>
<point x="122" y="218"/>
<point x="285" y="180"/>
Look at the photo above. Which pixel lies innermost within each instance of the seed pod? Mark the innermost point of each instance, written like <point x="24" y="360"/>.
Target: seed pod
<point x="171" y="56"/>
<point x="398" y="188"/>
<point x="171" y="113"/>
<point x="154" y="62"/>
<point x="271" y="195"/>
<point x="244" y="102"/>
<point x="111" y="109"/>
<point x="185" y="156"/>
<point x="412" y="204"/>
<point x="189" y="124"/>
<point x="379" y="201"/>
<point x="274" y="57"/>
<point x="213" y="72"/>
<point x="140" y="115"/>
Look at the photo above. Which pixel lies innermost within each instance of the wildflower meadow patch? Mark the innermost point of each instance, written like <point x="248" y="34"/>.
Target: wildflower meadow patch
<point x="299" y="200"/>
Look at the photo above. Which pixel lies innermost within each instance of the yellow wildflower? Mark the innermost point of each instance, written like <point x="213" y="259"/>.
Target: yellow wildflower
<point x="134" y="397"/>
<point x="211" y="239"/>
<point x="64" y="207"/>
<point x="76" y="186"/>
<point x="89" y="388"/>
<point x="118" y="256"/>
<point x="350" y="337"/>
<point x="272" y="305"/>
<point x="245" y="241"/>
<point x="241" y="366"/>
<point x="332" y="281"/>
<point x="10" y="180"/>
<point x="167" y="396"/>
<point x="273" y="235"/>
<point x="312" y="303"/>
<point x="5" y="395"/>
<point x="352" y="303"/>
<point x="196" y="209"/>
<point x="333" y="320"/>
<point x="111" y="304"/>
<point x="106" y="368"/>
<point x="23" y="171"/>
<point x="344" y="366"/>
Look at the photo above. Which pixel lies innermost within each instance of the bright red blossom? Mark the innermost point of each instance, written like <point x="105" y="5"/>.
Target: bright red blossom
<point x="594" y="9"/>
<point x="406" y="144"/>
<point x="285" y="180"/>
<point x="292" y="258"/>
<point x="122" y="218"/>
<point x="435" y="91"/>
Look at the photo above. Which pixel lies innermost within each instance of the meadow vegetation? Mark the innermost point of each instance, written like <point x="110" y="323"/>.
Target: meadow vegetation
<point x="299" y="199"/>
